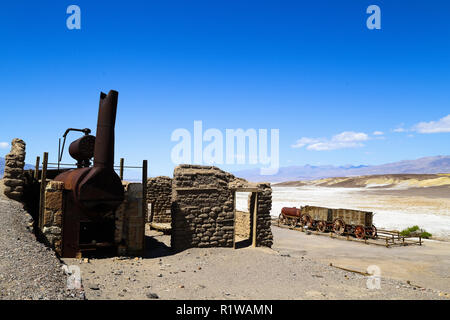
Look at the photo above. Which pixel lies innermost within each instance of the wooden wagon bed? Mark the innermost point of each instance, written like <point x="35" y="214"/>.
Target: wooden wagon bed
<point x="385" y="238"/>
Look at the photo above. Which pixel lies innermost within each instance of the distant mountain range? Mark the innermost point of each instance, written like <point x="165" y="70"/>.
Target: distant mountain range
<point x="2" y="166"/>
<point x="426" y="165"/>
<point x="437" y="164"/>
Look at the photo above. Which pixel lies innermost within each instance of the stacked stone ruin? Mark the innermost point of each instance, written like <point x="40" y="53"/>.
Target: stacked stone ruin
<point x="14" y="164"/>
<point x="159" y="195"/>
<point x="203" y="208"/>
<point x="53" y="215"/>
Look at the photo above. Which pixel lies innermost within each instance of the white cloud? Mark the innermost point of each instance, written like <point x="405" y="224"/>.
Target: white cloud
<point x="442" y="125"/>
<point x="349" y="136"/>
<point x="400" y="130"/>
<point x="378" y="133"/>
<point x="304" y="141"/>
<point x="4" y="145"/>
<point x="346" y="139"/>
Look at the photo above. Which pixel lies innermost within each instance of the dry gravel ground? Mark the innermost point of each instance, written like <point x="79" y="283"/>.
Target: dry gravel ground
<point x="296" y="268"/>
<point x="224" y="273"/>
<point x="28" y="269"/>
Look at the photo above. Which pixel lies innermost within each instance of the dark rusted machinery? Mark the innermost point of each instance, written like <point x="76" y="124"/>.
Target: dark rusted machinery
<point x="340" y="221"/>
<point x="92" y="193"/>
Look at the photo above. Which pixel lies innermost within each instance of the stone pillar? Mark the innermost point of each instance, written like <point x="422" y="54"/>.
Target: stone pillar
<point x="53" y="214"/>
<point x="14" y="164"/>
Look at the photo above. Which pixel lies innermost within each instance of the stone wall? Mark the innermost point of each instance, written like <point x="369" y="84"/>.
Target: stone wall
<point x="159" y="195"/>
<point x="14" y="164"/>
<point x="242" y="224"/>
<point x="264" y="235"/>
<point x="53" y="213"/>
<point x="130" y="221"/>
<point x="202" y="207"/>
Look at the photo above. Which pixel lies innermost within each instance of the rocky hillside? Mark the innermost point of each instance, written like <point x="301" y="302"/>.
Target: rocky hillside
<point x="396" y="181"/>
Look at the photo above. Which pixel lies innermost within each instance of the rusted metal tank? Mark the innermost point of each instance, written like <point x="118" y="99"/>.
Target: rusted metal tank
<point x="98" y="189"/>
<point x="82" y="150"/>
<point x="291" y="212"/>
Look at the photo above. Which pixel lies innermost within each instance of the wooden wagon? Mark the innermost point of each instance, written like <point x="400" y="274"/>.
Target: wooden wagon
<point x="340" y="221"/>
<point x="356" y="222"/>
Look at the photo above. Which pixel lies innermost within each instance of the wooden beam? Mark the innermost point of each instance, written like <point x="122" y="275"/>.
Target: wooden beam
<point x="152" y="213"/>
<point x="121" y="168"/>
<point x="243" y="189"/>
<point x="255" y="220"/>
<point x="144" y="197"/>
<point x="42" y="190"/>
<point x="234" y="220"/>
<point x="36" y="168"/>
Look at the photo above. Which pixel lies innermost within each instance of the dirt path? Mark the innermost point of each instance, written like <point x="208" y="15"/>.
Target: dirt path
<point x="223" y="273"/>
<point x="427" y="265"/>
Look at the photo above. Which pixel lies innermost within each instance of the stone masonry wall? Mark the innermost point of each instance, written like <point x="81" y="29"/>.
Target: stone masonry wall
<point x="242" y="224"/>
<point x="53" y="212"/>
<point x="202" y="207"/>
<point x="264" y="235"/>
<point x="159" y="195"/>
<point x="130" y="221"/>
<point x="14" y="164"/>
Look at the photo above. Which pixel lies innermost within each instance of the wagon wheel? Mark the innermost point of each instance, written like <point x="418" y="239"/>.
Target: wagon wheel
<point x="280" y="219"/>
<point x="373" y="232"/>
<point x="307" y="221"/>
<point x="339" y="226"/>
<point x="360" y="232"/>
<point x="322" y="226"/>
<point x="293" y="222"/>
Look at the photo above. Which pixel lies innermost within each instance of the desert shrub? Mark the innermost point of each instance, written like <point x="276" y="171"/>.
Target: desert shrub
<point x="416" y="231"/>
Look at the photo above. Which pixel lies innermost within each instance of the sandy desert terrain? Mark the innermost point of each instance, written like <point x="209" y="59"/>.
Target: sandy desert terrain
<point x="394" y="209"/>
<point x="297" y="267"/>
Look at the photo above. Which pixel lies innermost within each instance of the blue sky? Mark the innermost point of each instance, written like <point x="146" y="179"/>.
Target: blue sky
<point x="311" y="69"/>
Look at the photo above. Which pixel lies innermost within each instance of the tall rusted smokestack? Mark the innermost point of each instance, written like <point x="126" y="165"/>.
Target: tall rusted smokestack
<point x="104" y="143"/>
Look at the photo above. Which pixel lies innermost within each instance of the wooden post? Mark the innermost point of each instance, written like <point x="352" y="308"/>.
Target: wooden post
<point x="36" y="168"/>
<point x="255" y="220"/>
<point x="234" y="219"/>
<point x="144" y="197"/>
<point x="42" y="190"/>
<point x="121" y="168"/>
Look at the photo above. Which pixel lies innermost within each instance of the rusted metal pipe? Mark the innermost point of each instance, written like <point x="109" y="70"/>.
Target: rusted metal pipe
<point x="104" y="142"/>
